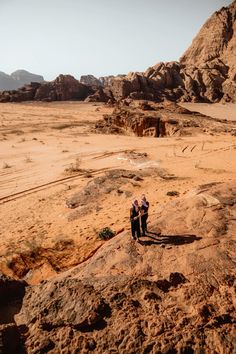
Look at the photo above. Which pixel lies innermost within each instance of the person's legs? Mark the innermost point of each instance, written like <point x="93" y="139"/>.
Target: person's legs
<point x="143" y="225"/>
<point x="138" y="230"/>
<point x="133" y="229"/>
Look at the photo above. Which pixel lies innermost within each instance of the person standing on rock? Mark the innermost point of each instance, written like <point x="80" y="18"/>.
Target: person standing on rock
<point x="144" y="214"/>
<point x="135" y="220"/>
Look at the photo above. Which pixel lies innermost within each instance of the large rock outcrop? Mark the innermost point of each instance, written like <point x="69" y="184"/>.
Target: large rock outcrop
<point x="63" y="88"/>
<point x="206" y="72"/>
<point x="90" y="80"/>
<point x="173" y="292"/>
<point x="18" y="79"/>
<point x="159" y="120"/>
<point x="213" y="52"/>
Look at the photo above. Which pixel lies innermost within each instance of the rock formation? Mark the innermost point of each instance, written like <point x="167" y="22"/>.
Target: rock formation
<point x="159" y="120"/>
<point x="64" y="87"/>
<point x="206" y="72"/>
<point x="18" y="79"/>
<point x="90" y="80"/>
<point x="213" y="52"/>
<point x="173" y="292"/>
<point x="98" y="96"/>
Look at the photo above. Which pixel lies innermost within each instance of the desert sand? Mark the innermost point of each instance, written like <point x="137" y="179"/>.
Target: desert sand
<point x="63" y="289"/>
<point x="50" y="152"/>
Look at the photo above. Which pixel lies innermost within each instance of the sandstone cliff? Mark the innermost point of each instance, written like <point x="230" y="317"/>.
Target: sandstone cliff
<point x="206" y="72"/>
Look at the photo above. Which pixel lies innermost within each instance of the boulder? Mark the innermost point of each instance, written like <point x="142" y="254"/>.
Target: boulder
<point x="90" y="80"/>
<point x="98" y="96"/>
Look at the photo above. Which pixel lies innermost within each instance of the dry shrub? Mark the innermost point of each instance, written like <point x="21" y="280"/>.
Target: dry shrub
<point x="106" y="234"/>
<point x="6" y="165"/>
<point x="74" y="167"/>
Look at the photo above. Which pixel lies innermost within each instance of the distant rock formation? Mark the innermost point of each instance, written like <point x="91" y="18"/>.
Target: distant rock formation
<point x="90" y="80"/>
<point x="98" y="96"/>
<point x="103" y="81"/>
<point x="206" y="73"/>
<point x="63" y="88"/>
<point x="18" y="79"/>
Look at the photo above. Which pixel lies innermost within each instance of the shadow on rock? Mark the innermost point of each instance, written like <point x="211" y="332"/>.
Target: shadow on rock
<point x="169" y="239"/>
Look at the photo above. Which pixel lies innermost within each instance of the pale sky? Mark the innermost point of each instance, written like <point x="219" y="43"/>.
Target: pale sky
<point x="99" y="37"/>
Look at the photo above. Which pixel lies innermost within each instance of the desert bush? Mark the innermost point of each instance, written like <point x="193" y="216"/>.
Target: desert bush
<point x="6" y="165"/>
<point x="106" y="234"/>
<point x="74" y="167"/>
<point x="172" y="193"/>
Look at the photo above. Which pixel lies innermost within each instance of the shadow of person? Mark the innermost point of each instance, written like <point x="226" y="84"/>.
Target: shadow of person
<point x="169" y="239"/>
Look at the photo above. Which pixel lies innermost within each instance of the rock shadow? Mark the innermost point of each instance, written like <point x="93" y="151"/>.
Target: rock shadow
<point x="168" y="239"/>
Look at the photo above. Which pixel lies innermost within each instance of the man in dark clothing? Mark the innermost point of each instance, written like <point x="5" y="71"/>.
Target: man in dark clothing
<point x="144" y="214"/>
<point x="135" y="220"/>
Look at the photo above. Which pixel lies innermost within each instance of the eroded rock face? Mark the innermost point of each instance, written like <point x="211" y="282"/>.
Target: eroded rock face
<point x="206" y="72"/>
<point x="172" y="293"/>
<point x="159" y="120"/>
<point x="213" y="53"/>
<point x="64" y="87"/>
<point x="90" y="80"/>
<point x="98" y="96"/>
<point x="215" y="40"/>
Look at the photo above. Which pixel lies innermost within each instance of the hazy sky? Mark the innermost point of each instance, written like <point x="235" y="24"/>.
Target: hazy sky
<point x="98" y="37"/>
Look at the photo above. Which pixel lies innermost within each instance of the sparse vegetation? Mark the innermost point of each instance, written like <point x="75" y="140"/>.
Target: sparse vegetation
<point x="172" y="193"/>
<point x="106" y="234"/>
<point x="33" y="245"/>
<point x="6" y="165"/>
<point x="74" y="167"/>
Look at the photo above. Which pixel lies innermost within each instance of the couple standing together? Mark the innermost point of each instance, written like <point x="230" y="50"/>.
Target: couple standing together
<point x="136" y="213"/>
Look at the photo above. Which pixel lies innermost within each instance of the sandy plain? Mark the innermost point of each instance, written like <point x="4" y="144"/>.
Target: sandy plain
<point x="50" y="151"/>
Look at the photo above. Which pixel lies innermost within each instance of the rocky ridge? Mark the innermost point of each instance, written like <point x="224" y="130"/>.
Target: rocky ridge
<point x="146" y="118"/>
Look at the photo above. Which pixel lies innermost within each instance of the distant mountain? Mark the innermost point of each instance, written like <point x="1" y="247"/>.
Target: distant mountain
<point x="18" y="79"/>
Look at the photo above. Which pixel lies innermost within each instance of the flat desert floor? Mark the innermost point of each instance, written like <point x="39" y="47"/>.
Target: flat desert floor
<point x="51" y="152"/>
